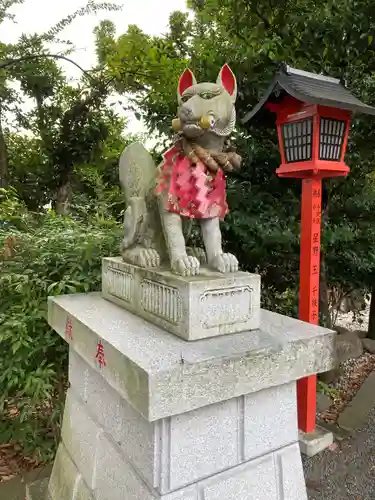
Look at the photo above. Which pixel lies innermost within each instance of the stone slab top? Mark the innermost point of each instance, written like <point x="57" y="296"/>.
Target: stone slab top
<point x="167" y="368"/>
<point x="154" y="349"/>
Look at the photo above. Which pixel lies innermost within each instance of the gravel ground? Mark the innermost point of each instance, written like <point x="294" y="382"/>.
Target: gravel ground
<point x="359" y="323"/>
<point x="347" y="470"/>
<point x="354" y="373"/>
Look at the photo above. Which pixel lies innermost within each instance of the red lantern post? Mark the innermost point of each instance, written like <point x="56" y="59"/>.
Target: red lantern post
<point x="312" y="142"/>
<point x="309" y="289"/>
<point x="313" y="117"/>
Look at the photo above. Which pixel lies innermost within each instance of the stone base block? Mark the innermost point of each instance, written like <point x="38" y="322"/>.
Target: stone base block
<point x="150" y="416"/>
<point x="37" y="490"/>
<point x="160" y="374"/>
<point x="234" y="449"/>
<point x="275" y="476"/>
<point x="172" y="452"/>
<point x="191" y="461"/>
<point x="66" y="482"/>
<point x="313" y="443"/>
<point x="194" y="307"/>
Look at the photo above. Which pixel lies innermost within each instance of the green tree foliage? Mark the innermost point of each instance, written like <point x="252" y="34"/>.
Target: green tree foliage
<point x="41" y="255"/>
<point x="7" y="96"/>
<point x="65" y="149"/>
<point x="67" y="120"/>
<point x="71" y="125"/>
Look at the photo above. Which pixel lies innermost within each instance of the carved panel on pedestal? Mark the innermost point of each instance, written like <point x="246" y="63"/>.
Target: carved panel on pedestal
<point x="120" y="284"/>
<point x="226" y="307"/>
<point x="161" y="300"/>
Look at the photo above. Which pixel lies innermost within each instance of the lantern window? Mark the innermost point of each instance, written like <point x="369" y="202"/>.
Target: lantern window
<point x="331" y="139"/>
<point x="297" y="138"/>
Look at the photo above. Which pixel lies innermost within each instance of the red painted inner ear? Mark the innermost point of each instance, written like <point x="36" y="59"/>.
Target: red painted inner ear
<point x="186" y="81"/>
<point x="228" y="80"/>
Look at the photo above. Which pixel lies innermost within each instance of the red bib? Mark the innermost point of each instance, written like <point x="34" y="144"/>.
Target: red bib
<point x="192" y="192"/>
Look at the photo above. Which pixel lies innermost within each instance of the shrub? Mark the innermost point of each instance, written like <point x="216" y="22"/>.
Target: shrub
<point x="51" y="255"/>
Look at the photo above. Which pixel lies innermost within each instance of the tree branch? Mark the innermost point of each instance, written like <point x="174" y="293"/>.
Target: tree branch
<point x="261" y="16"/>
<point x="94" y="80"/>
<point x="12" y="62"/>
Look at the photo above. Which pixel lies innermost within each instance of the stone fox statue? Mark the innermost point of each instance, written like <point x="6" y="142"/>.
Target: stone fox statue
<point x="188" y="184"/>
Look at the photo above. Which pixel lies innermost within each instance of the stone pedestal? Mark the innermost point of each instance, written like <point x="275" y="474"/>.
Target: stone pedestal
<point x="151" y="416"/>
<point x="37" y="490"/>
<point x="192" y="307"/>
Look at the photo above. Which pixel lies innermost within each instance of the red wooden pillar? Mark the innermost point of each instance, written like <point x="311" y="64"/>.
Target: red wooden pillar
<point x="309" y="289"/>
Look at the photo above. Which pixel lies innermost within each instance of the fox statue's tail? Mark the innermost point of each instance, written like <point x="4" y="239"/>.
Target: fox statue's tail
<point x="137" y="178"/>
<point x="143" y="243"/>
<point x="136" y="171"/>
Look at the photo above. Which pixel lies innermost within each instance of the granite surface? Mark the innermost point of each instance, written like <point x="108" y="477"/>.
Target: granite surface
<point x="233" y="449"/>
<point x="67" y="482"/>
<point x="193" y="307"/>
<point x="173" y="452"/>
<point x="151" y="416"/>
<point x="162" y="375"/>
<point x="36" y="490"/>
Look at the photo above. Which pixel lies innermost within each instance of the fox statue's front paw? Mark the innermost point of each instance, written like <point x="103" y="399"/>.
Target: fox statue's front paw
<point x="224" y="263"/>
<point x="142" y="257"/>
<point x="186" y="266"/>
<point x="197" y="252"/>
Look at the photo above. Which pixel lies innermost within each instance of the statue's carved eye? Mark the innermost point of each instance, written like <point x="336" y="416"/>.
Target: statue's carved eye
<point x="207" y="95"/>
<point x="185" y="98"/>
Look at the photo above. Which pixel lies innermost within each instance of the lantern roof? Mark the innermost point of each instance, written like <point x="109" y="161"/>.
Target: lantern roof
<point x="310" y="88"/>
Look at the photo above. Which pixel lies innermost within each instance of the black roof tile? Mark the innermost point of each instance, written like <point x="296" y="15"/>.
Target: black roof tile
<point x="313" y="89"/>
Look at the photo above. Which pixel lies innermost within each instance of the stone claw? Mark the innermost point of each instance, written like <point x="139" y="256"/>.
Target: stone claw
<point x="198" y="253"/>
<point x="186" y="266"/>
<point x="142" y="257"/>
<point x="224" y="263"/>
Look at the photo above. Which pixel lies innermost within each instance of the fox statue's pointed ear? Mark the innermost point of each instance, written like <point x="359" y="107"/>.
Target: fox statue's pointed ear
<point x="227" y="80"/>
<point x="187" y="79"/>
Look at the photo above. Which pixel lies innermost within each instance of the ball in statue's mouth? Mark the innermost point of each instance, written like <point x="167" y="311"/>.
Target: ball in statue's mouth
<point x="192" y="130"/>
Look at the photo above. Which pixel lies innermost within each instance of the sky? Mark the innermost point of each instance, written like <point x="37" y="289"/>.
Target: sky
<point x="37" y="16"/>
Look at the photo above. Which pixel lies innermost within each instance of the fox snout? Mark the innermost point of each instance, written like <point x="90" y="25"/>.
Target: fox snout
<point x="193" y="123"/>
<point x="187" y="114"/>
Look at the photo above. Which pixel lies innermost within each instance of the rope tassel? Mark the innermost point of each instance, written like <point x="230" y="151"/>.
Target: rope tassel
<point x="212" y="160"/>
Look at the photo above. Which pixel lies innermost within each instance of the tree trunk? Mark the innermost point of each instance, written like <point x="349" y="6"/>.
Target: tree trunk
<point x="63" y="198"/>
<point x="4" y="174"/>
<point x="371" y="322"/>
<point x="41" y="121"/>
